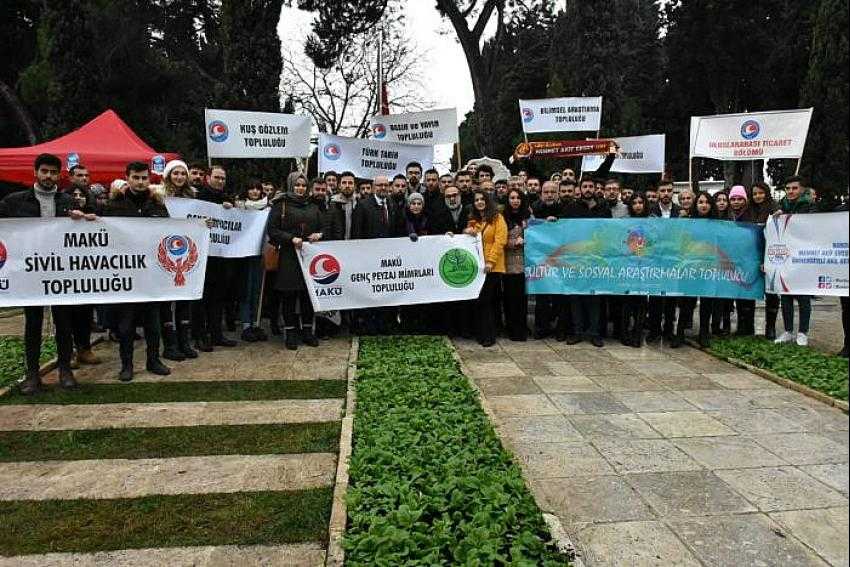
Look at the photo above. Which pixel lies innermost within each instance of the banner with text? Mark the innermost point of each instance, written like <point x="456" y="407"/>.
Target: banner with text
<point x="637" y="154"/>
<point x="561" y="148"/>
<point x="755" y="135"/>
<point x="674" y="257"/>
<point x="110" y="260"/>
<point x="235" y="233"/>
<point x="427" y="128"/>
<point x="370" y="158"/>
<point x="240" y="134"/>
<point x="353" y="274"/>
<point x="570" y="114"/>
<point x="807" y="254"/>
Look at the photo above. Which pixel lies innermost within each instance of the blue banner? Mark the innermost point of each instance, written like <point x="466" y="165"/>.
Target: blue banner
<point x="645" y="256"/>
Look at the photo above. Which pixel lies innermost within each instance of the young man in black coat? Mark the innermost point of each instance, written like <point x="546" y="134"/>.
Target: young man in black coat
<point x="45" y="200"/>
<point x="659" y="306"/>
<point x="221" y="284"/>
<point x="137" y="200"/>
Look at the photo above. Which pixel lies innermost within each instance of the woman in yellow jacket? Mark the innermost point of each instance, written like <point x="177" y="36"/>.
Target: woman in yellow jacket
<point x="486" y="221"/>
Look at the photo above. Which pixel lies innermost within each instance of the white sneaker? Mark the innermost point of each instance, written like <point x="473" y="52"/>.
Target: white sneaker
<point x="785" y="337"/>
<point x="802" y="339"/>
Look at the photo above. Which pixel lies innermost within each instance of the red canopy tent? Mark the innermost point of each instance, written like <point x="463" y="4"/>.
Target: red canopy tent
<point x="105" y="146"/>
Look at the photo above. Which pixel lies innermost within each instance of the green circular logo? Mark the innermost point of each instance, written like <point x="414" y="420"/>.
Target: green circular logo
<point x="458" y="267"/>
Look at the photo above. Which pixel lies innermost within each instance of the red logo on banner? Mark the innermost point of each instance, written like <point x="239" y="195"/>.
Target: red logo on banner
<point x="177" y="255"/>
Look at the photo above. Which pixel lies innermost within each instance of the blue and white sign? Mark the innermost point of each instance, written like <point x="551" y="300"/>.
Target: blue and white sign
<point x="239" y="134"/>
<point x="567" y="114"/>
<point x="429" y="128"/>
<point x="369" y="158"/>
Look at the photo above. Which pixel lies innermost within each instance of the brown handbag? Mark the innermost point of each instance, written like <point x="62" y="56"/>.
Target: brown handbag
<point x="271" y="253"/>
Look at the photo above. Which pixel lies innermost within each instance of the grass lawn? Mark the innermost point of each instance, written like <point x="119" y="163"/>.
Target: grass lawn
<point x="147" y="443"/>
<point x="430" y="482"/>
<point x="162" y="392"/>
<point x="245" y="518"/>
<point x="12" y="357"/>
<point x="822" y="372"/>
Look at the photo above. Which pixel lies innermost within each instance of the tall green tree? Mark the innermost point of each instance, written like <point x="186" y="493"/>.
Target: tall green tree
<point x="825" y="88"/>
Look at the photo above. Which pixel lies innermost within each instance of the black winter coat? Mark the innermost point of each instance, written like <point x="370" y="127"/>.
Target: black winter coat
<point x="291" y="217"/>
<point x="580" y="209"/>
<point x="542" y="211"/>
<point x="368" y="220"/>
<point x="442" y="220"/>
<point x="24" y="204"/>
<point x="122" y="205"/>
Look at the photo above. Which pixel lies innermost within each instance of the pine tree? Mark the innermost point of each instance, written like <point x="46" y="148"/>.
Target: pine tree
<point x="825" y="88"/>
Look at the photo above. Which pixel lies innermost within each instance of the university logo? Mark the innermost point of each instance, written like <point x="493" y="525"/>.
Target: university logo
<point x="527" y="115"/>
<point x="218" y="131"/>
<point x="824" y="282"/>
<point x="178" y="255"/>
<point x="750" y="129"/>
<point x="636" y="241"/>
<point x="324" y="269"/>
<point x="458" y="268"/>
<point x="158" y="164"/>
<point x="72" y="160"/>
<point x="778" y="254"/>
<point x="332" y="152"/>
<point x="379" y="131"/>
<point x="2" y="254"/>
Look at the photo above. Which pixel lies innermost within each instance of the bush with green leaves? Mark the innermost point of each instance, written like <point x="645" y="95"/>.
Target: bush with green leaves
<point x="822" y="372"/>
<point x="430" y="481"/>
<point x="12" y="357"/>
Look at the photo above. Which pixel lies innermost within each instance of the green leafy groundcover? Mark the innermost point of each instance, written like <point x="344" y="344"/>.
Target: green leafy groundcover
<point x="822" y="372"/>
<point x="12" y="357"/>
<point x="430" y="481"/>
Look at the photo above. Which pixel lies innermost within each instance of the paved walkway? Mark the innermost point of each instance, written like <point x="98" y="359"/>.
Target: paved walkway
<point x="670" y="457"/>
<point x="198" y="475"/>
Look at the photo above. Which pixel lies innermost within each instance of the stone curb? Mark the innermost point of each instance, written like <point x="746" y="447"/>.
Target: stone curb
<point x="339" y="511"/>
<point x="776" y="379"/>
<point x="559" y="535"/>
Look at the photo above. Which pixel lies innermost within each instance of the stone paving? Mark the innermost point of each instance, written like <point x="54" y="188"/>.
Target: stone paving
<point x="132" y="478"/>
<point x="669" y="457"/>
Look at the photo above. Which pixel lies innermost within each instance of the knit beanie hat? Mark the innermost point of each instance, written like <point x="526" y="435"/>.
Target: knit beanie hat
<point x="738" y="191"/>
<point x="415" y="197"/>
<point x="171" y="165"/>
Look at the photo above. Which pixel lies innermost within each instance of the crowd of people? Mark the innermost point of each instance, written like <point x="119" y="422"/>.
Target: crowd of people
<point x="340" y="206"/>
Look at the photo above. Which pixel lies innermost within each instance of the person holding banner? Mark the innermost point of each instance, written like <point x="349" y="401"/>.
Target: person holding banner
<point x="515" y="301"/>
<point x="703" y="209"/>
<point x="663" y="306"/>
<point x="721" y="319"/>
<point x="252" y="199"/>
<point x="486" y="222"/>
<point x="587" y="308"/>
<point x="294" y="219"/>
<point x="221" y="287"/>
<point x="176" y="316"/>
<point x="45" y="200"/>
<point x="795" y="202"/>
<point x="548" y="306"/>
<point x="762" y="207"/>
<point x="739" y="211"/>
<point x="634" y="306"/>
<point x="137" y="200"/>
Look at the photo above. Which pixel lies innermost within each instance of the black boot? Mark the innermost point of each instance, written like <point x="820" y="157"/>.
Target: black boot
<point x="308" y="338"/>
<point x="204" y="343"/>
<point x="126" y="374"/>
<point x="183" y="342"/>
<point x="125" y="350"/>
<point x="66" y="380"/>
<point x="31" y="385"/>
<point x="155" y="366"/>
<point x="171" y="350"/>
<point x="770" y="324"/>
<point x="221" y="340"/>
<point x="292" y="338"/>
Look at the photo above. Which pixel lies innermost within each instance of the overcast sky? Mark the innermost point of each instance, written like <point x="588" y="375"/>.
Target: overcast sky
<point x="446" y="77"/>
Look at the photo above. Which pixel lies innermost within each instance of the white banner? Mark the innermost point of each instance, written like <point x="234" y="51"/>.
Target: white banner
<point x="110" y="260"/>
<point x="235" y="233"/>
<point x="807" y="254"/>
<point x="637" y="154"/>
<point x="571" y="114"/>
<point x="427" y="128"/>
<point x="755" y="135"/>
<point x="370" y="158"/>
<point x="352" y="274"/>
<point x="240" y="134"/>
